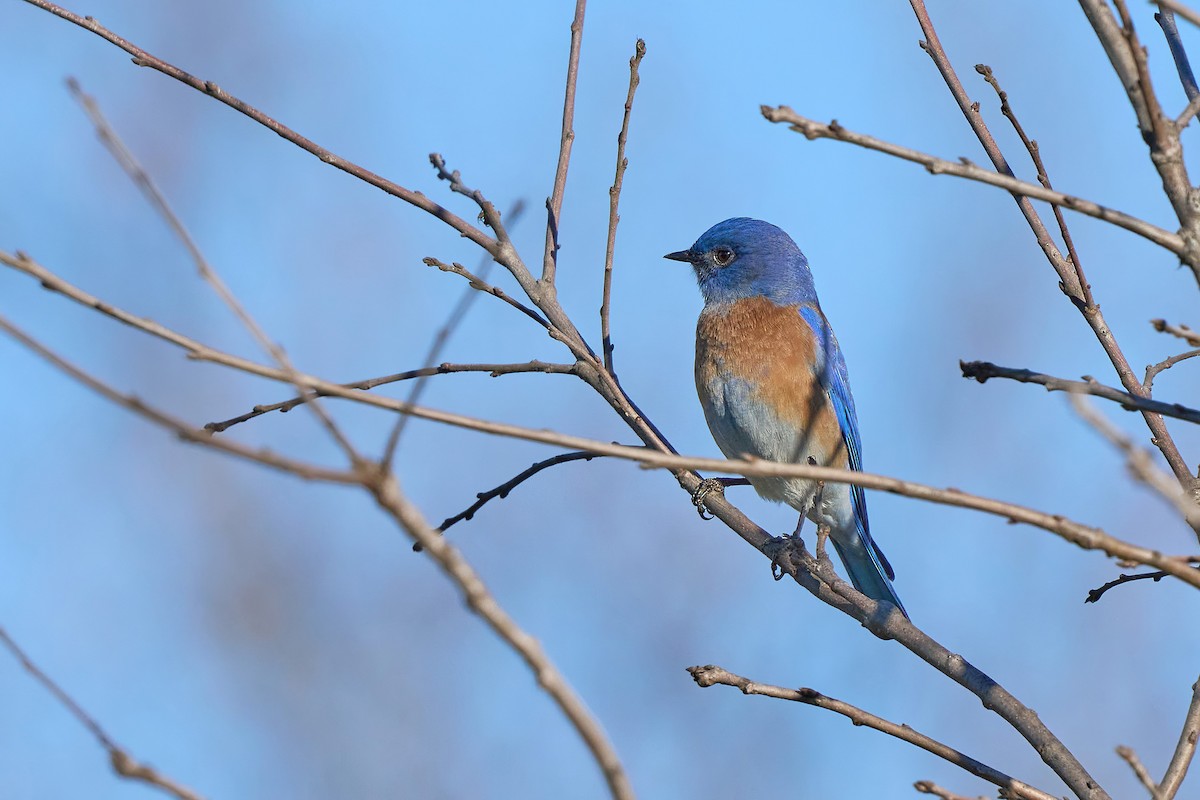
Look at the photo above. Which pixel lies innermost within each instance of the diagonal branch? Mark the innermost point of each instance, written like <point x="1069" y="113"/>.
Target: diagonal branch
<point x="811" y="129"/>
<point x="123" y="764"/>
<point x="712" y="675"/>
<point x="983" y="371"/>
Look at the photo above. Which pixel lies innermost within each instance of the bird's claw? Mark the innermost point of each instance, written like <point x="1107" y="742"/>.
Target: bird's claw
<point x="707" y="486"/>
<point x="779" y="549"/>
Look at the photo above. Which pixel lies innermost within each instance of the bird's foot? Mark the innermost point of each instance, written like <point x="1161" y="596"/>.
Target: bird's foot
<point x="782" y="551"/>
<point x="707" y="486"/>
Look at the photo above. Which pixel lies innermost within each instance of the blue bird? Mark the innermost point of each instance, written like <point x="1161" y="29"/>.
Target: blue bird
<point x="773" y="383"/>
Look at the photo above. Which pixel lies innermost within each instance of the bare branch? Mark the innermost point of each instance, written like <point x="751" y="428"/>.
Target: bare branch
<point x="484" y="286"/>
<point x="1094" y="595"/>
<point x="555" y="201"/>
<point x="1185" y="750"/>
<point x="1139" y="769"/>
<point x="123" y="764"/>
<point x="983" y="371"/>
<point x="500" y="492"/>
<point x="614" y="198"/>
<point x="1182" y="331"/>
<point x="494" y="370"/>
<point x="711" y="675"/>
<point x="812" y="129"/>
<point x="942" y="793"/>
<point x="1153" y="370"/>
<point x="1043" y="178"/>
<point x="1166" y="20"/>
<point x="387" y="493"/>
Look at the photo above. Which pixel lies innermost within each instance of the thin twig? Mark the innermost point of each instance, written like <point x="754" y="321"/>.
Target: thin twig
<point x="1094" y="595"/>
<point x="712" y="675"/>
<point x="940" y="792"/>
<point x="1166" y="20"/>
<point x="1043" y="177"/>
<point x="555" y="201"/>
<point x="494" y="370"/>
<point x="1185" y="750"/>
<point x="123" y="764"/>
<point x="455" y="318"/>
<point x="500" y="492"/>
<point x="811" y="129"/>
<point x="483" y="286"/>
<point x="1153" y="370"/>
<point x="614" y="198"/>
<point x="1130" y="757"/>
<point x="983" y="371"/>
<point x="1181" y="331"/>
<point x="487" y="210"/>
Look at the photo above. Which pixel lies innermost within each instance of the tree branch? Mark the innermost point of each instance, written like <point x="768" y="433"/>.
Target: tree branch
<point x="712" y="675"/>
<point x="1185" y="750"/>
<point x="614" y="198"/>
<point x="983" y="371"/>
<point x="125" y="765"/>
<point x="812" y="129"/>
<point x="494" y="370"/>
<point x="555" y="201"/>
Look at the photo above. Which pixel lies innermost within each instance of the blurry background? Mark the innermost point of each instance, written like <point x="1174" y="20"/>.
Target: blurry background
<point x="255" y="636"/>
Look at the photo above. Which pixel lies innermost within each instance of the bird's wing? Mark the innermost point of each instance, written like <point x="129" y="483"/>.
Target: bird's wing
<point x="837" y="387"/>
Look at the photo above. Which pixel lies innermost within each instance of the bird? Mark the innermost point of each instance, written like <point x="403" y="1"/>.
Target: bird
<point x="773" y="384"/>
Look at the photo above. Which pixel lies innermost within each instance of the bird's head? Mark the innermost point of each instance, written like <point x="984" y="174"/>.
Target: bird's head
<point x="743" y="257"/>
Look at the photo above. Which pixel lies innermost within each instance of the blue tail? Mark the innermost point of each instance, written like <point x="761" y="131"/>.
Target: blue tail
<point x="868" y="570"/>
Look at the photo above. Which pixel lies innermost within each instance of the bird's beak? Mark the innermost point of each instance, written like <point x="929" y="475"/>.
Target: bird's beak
<point x="689" y="256"/>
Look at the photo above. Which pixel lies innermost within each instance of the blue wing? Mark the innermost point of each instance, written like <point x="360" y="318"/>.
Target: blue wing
<point x="837" y="387"/>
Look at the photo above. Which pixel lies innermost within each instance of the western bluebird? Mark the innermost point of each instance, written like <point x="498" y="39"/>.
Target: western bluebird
<point x="773" y="383"/>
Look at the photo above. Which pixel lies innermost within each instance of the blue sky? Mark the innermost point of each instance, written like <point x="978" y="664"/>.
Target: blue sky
<point x="253" y="635"/>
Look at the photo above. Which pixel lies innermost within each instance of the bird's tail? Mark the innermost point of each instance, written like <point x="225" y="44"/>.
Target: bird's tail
<point x="868" y="569"/>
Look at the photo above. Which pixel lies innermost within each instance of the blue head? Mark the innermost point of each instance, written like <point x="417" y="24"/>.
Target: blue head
<point x="743" y="257"/>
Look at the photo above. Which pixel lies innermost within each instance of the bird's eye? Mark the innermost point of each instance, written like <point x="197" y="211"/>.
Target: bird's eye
<point x="722" y="256"/>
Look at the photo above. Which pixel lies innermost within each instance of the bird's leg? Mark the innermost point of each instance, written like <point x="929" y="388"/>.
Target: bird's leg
<point x="709" y="485"/>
